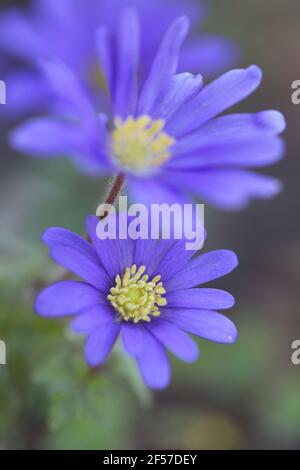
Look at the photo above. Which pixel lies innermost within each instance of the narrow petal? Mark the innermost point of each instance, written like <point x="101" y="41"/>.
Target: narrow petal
<point x="254" y="152"/>
<point x="74" y="253"/>
<point x="236" y="126"/>
<point x="153" y="256"/>
<point x="229" y="189"/>
<point x="243" y="139"/>
<point x="56" y="236"/>
<point x="115" y="254"/>
<point x="150" y="191"/>
<point x="70" y="90"/>
<point x="92" y="318"/>
<point x="183" y="87"/>
<point x="134" y="338"/>
<point x="18" y="35"/>
<point x="60" y="11"/>
<point x="164" y="65"/>
<point x="26" y="92"/>
<point x="210" y="54"/>
<point x="145" y="252"/>
<point x="204" y="323"/>
<point x="106" y="52"/>
<point x="200" y="298"/>
<point x="125" y="94"/>
<point x="100" y="343"/>
<point x="83" y="266"/>
<point x="47" y="138"/>
<point x="215" y="98"/>
<point x="175" y="260"/>
<point x="67" y="298"/>
<point x="154" y="364"/>
<point x="174" y="339"/>
<point x="204" y="268"/>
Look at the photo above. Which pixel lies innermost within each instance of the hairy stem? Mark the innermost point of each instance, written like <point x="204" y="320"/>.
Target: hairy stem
<point x="115" y="189"/>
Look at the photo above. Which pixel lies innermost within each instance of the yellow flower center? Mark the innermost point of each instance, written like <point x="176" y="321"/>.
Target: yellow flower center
<point x="135" y="298"/>
<point x="139" y="144"/>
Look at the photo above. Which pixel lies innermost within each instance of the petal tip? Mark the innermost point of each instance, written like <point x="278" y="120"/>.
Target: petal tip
<point x="272" y="120"/>
<point x="194" y="356"/>
<point x="274" y="188"/>
<point x="159" y="385"/>
<point x="182" y="24"/>
<point x="235" y="259"/>
<point x="231" y="301"/>
<point x="38" y="307"/>
<point x="233" y="336"/>
<point x="46" y="236"/>
<point x="255" y="72"/>
<point x="17" y="138"/>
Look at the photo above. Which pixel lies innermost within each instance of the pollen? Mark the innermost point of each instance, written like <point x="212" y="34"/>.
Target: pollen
<point x="136" y="298"/>
<point x="140" y="144"/>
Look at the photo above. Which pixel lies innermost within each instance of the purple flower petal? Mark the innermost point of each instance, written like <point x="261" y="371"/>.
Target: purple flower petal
<point x="145" y="252"/>
<point x="204" y="268"/>
<point x="215" y="98"/>
<point x="164" y="257"/>
<point x="92" y="318"/>
<point x="19" y="36"/>
<point x="51" y="28"/>
<point x="236" y="126"/>
<point x="230" y="189"/>
<point x="125" y="93"/>
<point x="174" y="260"/>
<point x="209" y="54"/>
<point x="204" y="323"/>
<point x="200" y="298"/>
<point x="255" y="152"/>
<point x="59" y="13"/>
<point x="81" y="265"/>
<point x="183" y="87"/>
<point x="55" y="237"/>
<point x="47" y="138"/>
<point x="154" y="364"/>
<point x="154" y="191"/>
<point x="26" y="92"/>
<point x="115" y="254"/>
<point x="74" y="253"/>
<point x="174" y="339"/>
<point x="67" y="298"/>
<point x="164" y="65"/>
<point x="164" y="263"/>
<point x="151" y="253"/>
<point x="105" y="50"/>
<point x="100" y="343"/>
<point x="134" y="338"/>
<point x="62" y="78"/>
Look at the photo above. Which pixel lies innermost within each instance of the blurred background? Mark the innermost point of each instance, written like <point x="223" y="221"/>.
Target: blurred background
<point x="235" y="397"/>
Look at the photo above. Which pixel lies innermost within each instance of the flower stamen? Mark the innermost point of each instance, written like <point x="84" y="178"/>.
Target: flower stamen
<point x="139" y="144"/>
<point x="135" y="298"/>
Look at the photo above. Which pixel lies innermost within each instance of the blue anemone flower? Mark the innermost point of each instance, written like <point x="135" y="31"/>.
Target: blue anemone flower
<point x="167" y="136"/>
<point x="66" y="29"/>
<point x="143" y="290"/>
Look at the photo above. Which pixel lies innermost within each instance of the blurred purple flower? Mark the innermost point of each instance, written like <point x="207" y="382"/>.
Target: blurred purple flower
<point x="143" y="290"/>
<point x="167" y="138"/>
<point x="66" y="29"/>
